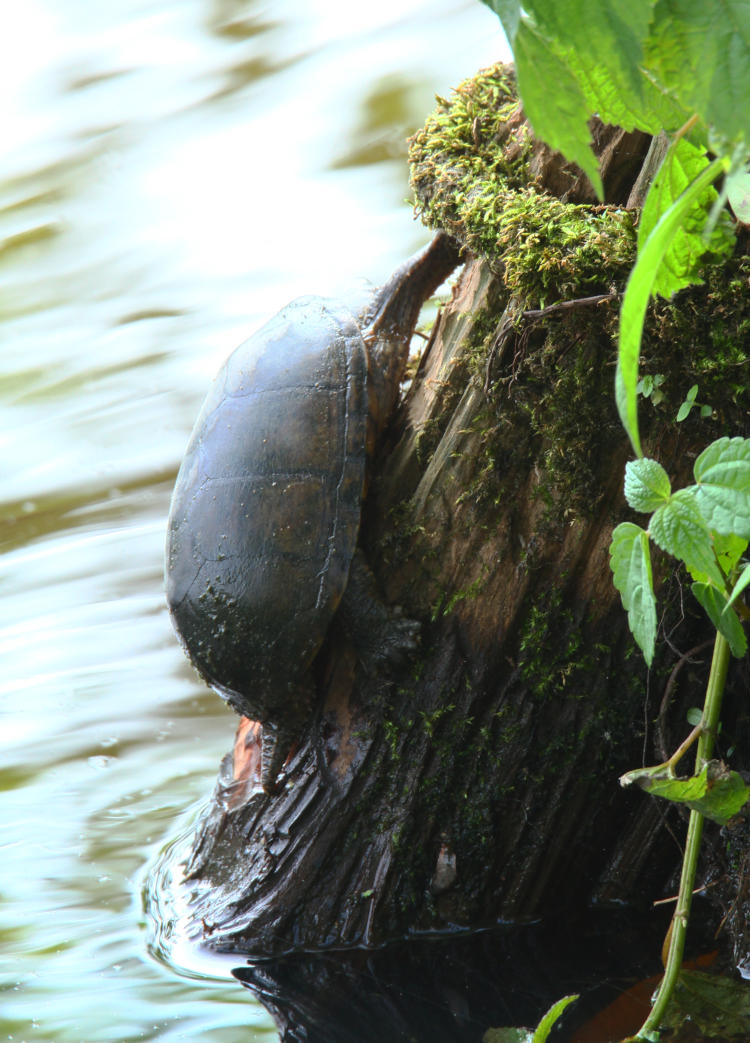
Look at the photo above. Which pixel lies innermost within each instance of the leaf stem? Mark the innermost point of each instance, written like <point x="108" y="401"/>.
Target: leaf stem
<point x="686" y="127"/>
<point x="684" y="746"/>
<point x="678" y="927"/>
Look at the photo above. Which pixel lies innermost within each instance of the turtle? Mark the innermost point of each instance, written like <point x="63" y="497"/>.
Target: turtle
<point x="262" y="536"/>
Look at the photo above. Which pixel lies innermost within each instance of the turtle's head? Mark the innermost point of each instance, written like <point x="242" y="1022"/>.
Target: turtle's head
<point x="388" y="319"/>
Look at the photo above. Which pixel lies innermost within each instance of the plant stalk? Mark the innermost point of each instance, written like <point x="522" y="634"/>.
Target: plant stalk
<point x="678" y="928"/>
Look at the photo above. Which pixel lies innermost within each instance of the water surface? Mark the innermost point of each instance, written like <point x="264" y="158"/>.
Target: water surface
<point x="174" y="172"/>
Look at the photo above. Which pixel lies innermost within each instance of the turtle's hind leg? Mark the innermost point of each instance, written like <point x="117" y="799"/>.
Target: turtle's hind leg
<point x="380" y="635"/>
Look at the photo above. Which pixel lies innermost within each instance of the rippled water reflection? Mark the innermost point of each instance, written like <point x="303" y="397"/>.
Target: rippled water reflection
<point x="174" y="173"/>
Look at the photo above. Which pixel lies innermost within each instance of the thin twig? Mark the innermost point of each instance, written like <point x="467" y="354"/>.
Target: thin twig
<point x="500" y="342"/>
<point x="577" y="302"/>
<point x="696" y="891"/>
<point x="668" y="688"/>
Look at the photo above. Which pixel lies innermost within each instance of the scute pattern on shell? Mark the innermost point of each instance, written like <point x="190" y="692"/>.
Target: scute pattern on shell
<point x="266" y="508"/>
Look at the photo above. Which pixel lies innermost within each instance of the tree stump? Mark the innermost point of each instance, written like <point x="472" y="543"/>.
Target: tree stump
<point x="479" y="784"/>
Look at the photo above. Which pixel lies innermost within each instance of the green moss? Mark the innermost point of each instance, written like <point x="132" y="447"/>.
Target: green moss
<point x="553" y="389"/>
<point x="470" y="174"/>
<point x="546" y="663"/>
<point x="429" y="720"/>
<point x="549" y="385"/>
<point x="546" y="422"/>
<point x="447" y="603"/>
<point x="712" y="321"/>
<point x="478" y="133"/>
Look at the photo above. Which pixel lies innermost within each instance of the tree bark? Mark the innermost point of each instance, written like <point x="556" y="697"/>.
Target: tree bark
<point x="478" y="784"/>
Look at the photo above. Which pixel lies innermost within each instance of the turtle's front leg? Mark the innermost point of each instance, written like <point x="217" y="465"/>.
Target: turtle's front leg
<point x="290" y="714"/>
<point x="276" y="744"/>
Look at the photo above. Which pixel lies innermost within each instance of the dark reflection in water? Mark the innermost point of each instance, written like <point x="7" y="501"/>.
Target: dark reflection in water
<point x="451" y="990"/>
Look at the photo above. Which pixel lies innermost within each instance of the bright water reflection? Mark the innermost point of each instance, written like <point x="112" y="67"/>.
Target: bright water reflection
<point x="174" y="173"/>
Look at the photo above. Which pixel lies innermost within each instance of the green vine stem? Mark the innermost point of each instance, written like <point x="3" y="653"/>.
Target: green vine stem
<point x="678" y="928"/>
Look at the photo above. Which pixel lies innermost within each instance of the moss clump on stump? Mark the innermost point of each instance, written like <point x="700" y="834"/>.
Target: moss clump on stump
<point x="549" y="379"/>
<point x="471" y="176"/>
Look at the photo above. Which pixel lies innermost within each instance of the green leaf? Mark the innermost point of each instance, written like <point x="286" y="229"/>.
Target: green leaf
<point x="560" y="116"/>
<point x="722" y="474"/>
<point x="680" y="529"/>
<point x="740" y="585"/>
<point x="684" y="411"/>
<point x="544" y="1027"/>
<point x="700" y="53"/>
<point x="738" y="194"/>
<point x="715" y="604"/>
<point x="609" y="74"/>
<point x="607" y="79"/>
<point x="709" y="1006"/>
<point x="610" y="77"/>
<point x="638" y="291"/>
<point x="679" y="265"/>
<point x="728" y="551"/>
<point x="646" y="485"/>
<point x="716" y="792"/>
<point x="509" y="13"/>
<point x="630" y="562"/>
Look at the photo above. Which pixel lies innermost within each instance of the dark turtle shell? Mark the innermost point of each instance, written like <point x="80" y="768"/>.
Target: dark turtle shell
<point x="266" y="508"/>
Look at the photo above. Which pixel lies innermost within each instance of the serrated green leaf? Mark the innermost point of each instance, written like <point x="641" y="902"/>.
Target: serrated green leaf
<point x="610" y="75"/>
<point x="715" y="603"/>
<point x="700" y="53"/>
<point x="679" y="266"/>
<point x="608" y="80"/>
<point x="630" y="562"/>
<point x="722" y="474"/>
<point x="637" y="294"/>
<point x="716" y="792"/>
<point x="559" y="117"/>
<point x="646" y="485"/>
<point x="680" y="529"/>
<point x="740" y="585"/>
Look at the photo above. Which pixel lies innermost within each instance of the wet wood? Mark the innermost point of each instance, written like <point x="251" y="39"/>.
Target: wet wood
<point x="478" y="783"/>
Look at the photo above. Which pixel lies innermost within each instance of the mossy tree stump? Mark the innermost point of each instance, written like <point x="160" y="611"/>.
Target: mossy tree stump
<point x="480" y="783"/>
